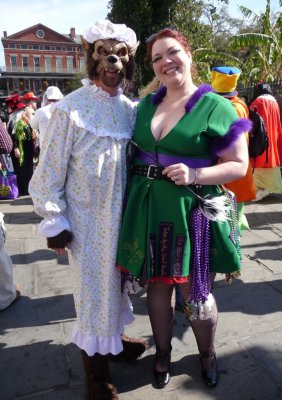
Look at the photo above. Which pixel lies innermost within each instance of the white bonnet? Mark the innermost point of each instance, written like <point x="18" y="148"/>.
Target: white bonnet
<point x="107" y="30"/>
<point x="52" y="93"/>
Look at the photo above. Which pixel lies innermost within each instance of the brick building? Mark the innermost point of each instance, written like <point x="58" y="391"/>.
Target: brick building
<point x="38" y="57"/>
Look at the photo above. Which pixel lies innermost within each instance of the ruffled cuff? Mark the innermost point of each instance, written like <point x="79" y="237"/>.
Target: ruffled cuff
<point x="52" y="226"/>
<point x="237" y="128"/>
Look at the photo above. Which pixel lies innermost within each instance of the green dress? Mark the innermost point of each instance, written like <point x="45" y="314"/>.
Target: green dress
<point x="155" y="238"/>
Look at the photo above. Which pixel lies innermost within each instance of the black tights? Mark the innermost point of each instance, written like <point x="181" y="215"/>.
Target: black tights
<point x="161" y="311"/>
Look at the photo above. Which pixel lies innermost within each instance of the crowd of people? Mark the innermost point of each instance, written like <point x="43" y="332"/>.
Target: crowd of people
<point x="143" y="193"/>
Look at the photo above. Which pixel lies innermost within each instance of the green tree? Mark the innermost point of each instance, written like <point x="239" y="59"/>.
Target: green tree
<point x="75" y="82"/>
<point x="220" y="26"/>
<point x="148" y="16"/>
<point x="187" y="18"/>
<point x="144" y="17"/>
<point x="261" y="47"/>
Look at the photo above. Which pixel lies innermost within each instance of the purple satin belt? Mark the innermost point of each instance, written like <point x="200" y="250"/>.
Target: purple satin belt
<point x="166" y="160"/>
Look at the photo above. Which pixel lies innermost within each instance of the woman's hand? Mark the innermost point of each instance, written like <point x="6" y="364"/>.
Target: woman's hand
<point x="180" y="174"/>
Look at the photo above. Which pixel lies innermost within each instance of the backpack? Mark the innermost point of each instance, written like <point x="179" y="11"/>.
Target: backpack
<point x="258" y="139"/>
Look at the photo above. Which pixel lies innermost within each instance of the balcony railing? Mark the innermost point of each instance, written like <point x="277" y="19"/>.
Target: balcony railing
<point x="40" y="70"/>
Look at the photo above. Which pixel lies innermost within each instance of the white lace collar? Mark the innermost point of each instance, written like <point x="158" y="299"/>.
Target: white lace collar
<point x="99" y="91"/>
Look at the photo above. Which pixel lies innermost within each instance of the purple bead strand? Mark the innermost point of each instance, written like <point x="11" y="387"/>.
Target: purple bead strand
<point x="200" y="249"/>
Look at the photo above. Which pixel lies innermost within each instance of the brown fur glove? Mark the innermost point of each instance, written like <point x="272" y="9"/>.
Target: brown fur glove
<point x="60" y="241"/>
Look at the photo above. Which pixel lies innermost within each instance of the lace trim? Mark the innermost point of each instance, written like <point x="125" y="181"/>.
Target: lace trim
<point x="120" y="124"/>
<point x="92" y="344"/>
<point x="97" y="89"/>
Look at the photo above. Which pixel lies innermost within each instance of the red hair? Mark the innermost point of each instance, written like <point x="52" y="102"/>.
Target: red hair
<point x="167" y="32"/>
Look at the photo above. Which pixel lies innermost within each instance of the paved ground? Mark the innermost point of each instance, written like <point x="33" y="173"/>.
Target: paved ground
<point x="37" y="360"/>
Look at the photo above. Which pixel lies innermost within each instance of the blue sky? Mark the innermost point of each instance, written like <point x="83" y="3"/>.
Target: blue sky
<point x="61" y="15"/>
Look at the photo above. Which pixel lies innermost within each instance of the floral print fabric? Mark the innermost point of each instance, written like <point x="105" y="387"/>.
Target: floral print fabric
<point x="81" y="179"/>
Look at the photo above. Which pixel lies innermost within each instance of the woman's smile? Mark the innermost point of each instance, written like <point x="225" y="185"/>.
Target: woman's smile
<point x="170" y="70"/>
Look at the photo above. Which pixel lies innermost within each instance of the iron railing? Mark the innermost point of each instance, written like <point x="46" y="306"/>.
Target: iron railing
<point x="40" y="70"/>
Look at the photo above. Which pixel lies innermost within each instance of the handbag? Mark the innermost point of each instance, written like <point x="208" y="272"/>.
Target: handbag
<point x="8" y="185"/>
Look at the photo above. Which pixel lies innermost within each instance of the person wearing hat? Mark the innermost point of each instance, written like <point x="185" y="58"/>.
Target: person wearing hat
<point x="30" y="100"/>
<point x="41" y="117"/>
<point x="14" y="104"/>
<point x="15" y="109"/>
<point x="224" y="82"/>
<point x="23" y="141"/>
<point x="78" y="189"/>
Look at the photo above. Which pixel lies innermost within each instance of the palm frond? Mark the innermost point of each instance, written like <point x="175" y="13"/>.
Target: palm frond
<point x="208" y="54"/>
<point x="254" y="72"/>
<point x="248" y="13"/>
<point x="249" y="39"/>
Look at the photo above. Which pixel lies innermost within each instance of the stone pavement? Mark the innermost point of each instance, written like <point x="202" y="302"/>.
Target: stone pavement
<point x="38" y="362"/>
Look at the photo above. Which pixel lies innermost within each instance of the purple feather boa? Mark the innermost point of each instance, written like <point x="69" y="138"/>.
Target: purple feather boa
<point x="203" y="89"/>
<point x="157" y="97"/>
<point x="220" y="144"/>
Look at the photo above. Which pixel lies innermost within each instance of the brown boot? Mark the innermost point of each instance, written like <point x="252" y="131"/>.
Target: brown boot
<point x="98" y="379"/>
<point x="132" y="349"/>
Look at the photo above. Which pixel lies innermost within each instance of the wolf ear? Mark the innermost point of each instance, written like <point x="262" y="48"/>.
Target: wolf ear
<point x="84" y="42"/>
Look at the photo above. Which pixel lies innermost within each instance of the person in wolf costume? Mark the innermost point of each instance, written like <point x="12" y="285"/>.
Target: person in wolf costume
<point x="78" y="189"/>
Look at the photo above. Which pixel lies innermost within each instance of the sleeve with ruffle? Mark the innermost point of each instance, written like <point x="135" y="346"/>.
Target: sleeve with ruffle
<point x="225" y="127"/>
<point x="47" y="186"/>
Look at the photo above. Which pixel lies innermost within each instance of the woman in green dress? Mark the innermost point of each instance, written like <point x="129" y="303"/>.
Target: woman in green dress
<point x="188" y="141"/>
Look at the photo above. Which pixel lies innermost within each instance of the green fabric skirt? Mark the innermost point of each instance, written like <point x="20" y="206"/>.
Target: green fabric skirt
<point x="155" y="233"/>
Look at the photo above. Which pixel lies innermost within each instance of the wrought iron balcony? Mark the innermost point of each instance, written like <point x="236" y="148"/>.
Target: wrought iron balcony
<point x="39" y="70"/>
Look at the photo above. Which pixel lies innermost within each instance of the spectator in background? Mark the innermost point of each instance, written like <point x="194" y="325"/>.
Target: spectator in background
<point x="267" y="175"/>
<point x="23" y="142"/>
<point x="42" y="116"/>
<point x="30" y="100"/>
<point x="4" y="116"/>
<point x="9" y="292"/>
<point x="6" y="143"/>
<point x="224" y="82"/>
<point x="15" y="108"/>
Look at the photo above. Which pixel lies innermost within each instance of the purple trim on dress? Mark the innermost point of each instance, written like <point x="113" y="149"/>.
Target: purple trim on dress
<point x="219" y="144"/>
<point x="180" y="241"/>
<point x="203" y="89"/>
<point x="153" y="253"/>
<point x="157" y="97"/>
<point x="164" y="248"/>
<point x="165" y="160"/>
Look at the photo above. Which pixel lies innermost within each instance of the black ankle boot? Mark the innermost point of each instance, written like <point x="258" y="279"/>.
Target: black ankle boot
<point x="162" y="377"/>
<point x="210" y="377"/>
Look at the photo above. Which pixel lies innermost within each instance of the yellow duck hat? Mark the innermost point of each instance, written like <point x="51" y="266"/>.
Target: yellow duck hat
<point x="224" y="80"/>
